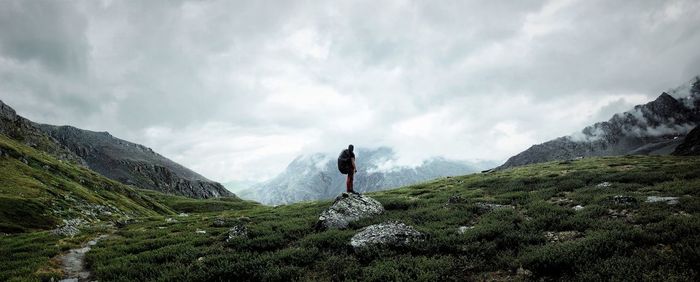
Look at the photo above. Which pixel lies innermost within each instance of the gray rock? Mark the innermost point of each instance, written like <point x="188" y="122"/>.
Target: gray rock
<point x="667" y="200"/>
<point x="386" y="234"/>
<point x="486" y="207"/>
<point x="604" y="185"/>
<point x="624" y="201"/>
<point x="578" y="207"/>
<point x="238" y="231"/>
<point x="348" y="208"/>
<point x="219" y="222"/>
<point x="170" y="220"/>
<point x="463" y="229"/>
<point x="199" y="231"/>
<point x="69" y="228"/>
<point x="562" y="236"/>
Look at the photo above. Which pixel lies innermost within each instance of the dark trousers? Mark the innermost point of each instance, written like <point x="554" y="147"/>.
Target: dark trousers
<point x="348" y="183"/>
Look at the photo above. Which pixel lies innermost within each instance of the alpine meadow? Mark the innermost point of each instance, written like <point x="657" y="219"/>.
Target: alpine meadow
<point x="392" y="140"/>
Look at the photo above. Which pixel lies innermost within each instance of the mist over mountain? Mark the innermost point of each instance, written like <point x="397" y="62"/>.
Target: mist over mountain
<point x="655" y="128"/>
<point x="126" y="162"/>
<point x="316" y="176"/>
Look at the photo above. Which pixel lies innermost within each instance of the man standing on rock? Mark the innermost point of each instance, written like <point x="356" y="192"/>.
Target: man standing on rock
<point x="346" y="164"/>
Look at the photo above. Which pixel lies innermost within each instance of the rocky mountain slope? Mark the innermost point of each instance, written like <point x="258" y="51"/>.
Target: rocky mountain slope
<point x="26" y="132"/>
<point x="316" y="176"/>
<point x="38" y="191"/>
<point x="126" y="162"/>
<point x="691" y="144"/>
<point x="657" y="127"/>
<point x="133" y="164"/>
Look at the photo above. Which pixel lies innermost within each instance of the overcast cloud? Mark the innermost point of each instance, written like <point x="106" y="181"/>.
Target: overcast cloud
<point x="236" y="89"/>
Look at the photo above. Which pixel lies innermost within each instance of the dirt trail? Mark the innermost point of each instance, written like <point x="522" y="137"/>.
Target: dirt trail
<point x="73" y="262"/>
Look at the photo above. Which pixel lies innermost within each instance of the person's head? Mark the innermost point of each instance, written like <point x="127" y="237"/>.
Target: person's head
<point x="351" y="147"/>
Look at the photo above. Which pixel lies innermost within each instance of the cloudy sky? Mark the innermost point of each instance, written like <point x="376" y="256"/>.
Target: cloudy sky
<point x="236" y="89"/>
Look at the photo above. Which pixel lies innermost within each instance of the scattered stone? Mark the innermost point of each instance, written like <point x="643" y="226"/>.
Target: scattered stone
<point x="388" y="233"/>
<point x="624" y="201"/>
<point x="347" y="208"/>
<point x="73" y="262"/>
<point x="667" y="200"/>
<point x="219" y="222"/>
<point x="238" y="231"/>
<point x="199" y="231"/>
<point x="455" y="199"/>
<point x="69" y="228"/>
<point x="487" y="207"/>
<point x="604" y="185"/>
<point x="200" y="258"/>
<point x="161" y="227"/>
<point x="523" y="272"/>
<point x="578" y="207"/>
<point x="622" y="214"/>
<point x="553" y="237"/>
<point x="170" y="220"/>
<point x="183" y="215"/>
<point x="463" y="229"/>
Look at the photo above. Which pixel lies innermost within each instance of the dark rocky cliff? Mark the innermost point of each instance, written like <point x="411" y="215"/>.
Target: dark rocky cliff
<point x="112" y="157"/>
<point x="657" y="127"/>
<point x="133" y="164"/>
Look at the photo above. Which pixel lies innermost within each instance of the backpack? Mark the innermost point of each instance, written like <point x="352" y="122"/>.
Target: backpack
<point x="344" y="162"/>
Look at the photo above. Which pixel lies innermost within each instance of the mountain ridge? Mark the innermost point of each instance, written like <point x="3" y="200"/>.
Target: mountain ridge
<point x="121" y="160"/>
<point x="656" y="127"/>
<point x="315" y="176"/>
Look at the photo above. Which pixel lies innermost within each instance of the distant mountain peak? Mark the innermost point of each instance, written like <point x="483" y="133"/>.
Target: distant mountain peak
<point x="656" y="127"/>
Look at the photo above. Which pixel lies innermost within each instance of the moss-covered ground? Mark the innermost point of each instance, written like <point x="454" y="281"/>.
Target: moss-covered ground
<point x="613" y="238"/>
<point x="585" y="220"/>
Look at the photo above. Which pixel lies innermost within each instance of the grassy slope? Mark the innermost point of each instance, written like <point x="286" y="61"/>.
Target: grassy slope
<point x="36" y="195"/>
<point x="643" y="241"/>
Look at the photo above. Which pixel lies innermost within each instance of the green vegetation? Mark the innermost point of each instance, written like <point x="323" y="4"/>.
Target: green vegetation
<point x="37" y="191"/>
<point x="612" y="239"/>
<point x="536" y="234"/>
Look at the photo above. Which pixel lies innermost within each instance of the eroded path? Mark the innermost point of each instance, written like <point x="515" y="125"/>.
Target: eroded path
<point x="73" y="262"/>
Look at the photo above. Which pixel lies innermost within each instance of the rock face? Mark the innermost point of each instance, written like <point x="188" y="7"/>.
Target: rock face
<point x="316" y="176"/>
<point x="691" y="144"/>
<point x="387" y="234"/>
<point x="114" y="158"/>
<point x="657" y="127"/>
<point x="133" y="164"/>
<point x="25" y="131"/>
<point x="347" y="208"/>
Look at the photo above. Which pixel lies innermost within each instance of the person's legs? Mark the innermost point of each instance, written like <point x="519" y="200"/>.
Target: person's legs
<point x="348" y="183"/>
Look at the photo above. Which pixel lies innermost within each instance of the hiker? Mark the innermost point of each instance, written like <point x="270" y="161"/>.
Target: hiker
<point x="346" y="165"/>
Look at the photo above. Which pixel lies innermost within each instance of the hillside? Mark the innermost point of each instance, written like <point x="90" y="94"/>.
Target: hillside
<point x="38" y="191"/>
<point x="120" y="160"/>
<point x="316" y="176"/>
<point x="610" y="218"/>
<point x="134" y="164"/>
<point x="655" y="128"/>
<point x="691" y="144"/>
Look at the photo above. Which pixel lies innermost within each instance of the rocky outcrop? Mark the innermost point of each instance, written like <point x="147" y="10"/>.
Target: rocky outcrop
<point x="133" y="164"/>
<point x="657" y="127"/>
<point x="346" y="208"/>
<point x="691" y="144"/>
<point x="26" y="132"/>
<point x="70" y="227"/>
<point x="385" y="234"/>
<point x="114" y="158"/>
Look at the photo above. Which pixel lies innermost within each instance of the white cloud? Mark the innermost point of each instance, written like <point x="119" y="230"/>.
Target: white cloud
<point x="236" y="90"/>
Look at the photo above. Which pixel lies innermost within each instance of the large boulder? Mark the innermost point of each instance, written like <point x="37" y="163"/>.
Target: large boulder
<point x="346" y="208"/>
<point x="390" y="233"/>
